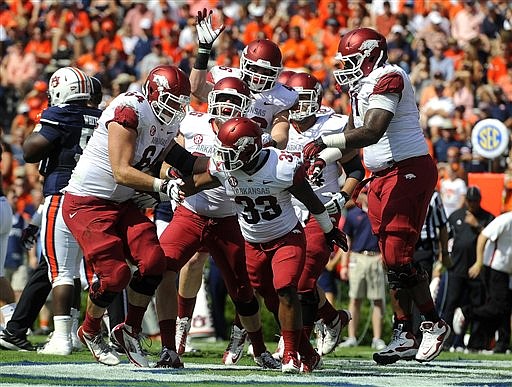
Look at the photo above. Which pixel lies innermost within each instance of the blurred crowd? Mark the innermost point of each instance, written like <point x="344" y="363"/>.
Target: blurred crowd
<point x="458" y="54"/>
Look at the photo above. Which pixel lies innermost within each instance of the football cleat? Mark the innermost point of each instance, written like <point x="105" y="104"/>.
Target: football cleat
<point x="169" y="359"/>
<point x="434" y="336"/>
<point x="403" y="346"/>
<point x="99" y="349"/>
<point x="182" y="328"/>
<point x="311" y="363"/>
<point x="266" y="361"/>
<point x="14" y="343"/>
<point x="290" y="363"/>
<point x="61" y="346"/>
<point x="130" y="342"/>
<point x="332" y="331"/>
<point x="235" y="348"/>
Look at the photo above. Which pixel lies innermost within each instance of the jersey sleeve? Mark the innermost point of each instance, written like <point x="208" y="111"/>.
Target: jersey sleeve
<point x="49" y="121"/>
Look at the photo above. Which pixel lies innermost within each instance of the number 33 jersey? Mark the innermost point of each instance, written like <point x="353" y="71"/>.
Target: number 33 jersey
<point x="262" y="200"/>
<point x="93" y="174"/>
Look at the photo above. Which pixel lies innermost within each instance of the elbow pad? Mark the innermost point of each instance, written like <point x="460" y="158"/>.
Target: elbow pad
<point x="354" y="168"/>
<point x="181" y="159"/>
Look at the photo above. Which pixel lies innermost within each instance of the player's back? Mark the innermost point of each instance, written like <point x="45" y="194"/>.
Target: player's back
<point x="68" y="127"/>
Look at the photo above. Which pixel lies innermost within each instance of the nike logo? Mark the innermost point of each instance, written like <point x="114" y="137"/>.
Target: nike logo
<point x="71" y="216"/>
<point x="267" y="181"/>
<point x="267" y="103"/>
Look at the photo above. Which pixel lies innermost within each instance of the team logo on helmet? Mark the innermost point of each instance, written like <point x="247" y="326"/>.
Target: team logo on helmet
<point x="55" y="81"/>
<point x="161" y="81"/>
<point x="368" y="45"/>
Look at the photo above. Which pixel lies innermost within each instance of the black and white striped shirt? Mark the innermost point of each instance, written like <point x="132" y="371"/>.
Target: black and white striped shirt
<point x="436" y="218"/>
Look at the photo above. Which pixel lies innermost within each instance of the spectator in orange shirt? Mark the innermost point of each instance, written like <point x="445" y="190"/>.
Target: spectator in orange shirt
<point x="109" y="41"/>
<point x="257" y="25"/>
<point x="505" y="82"/>
<point x="386" y="20"/>
<point x="309" y="25"/>
<point x="164" y="26"/>
<point x="497" y="62"/>
<point x="170" y="45"/>
<point x="80" y="29"/>
<point x="37" y="101"/>
<point x="297" y="50"/>
<point x="455" y="53"/>
<point x="330" y="33"/>
<point x="329" y="9"/>
<point x="40" y="45"/>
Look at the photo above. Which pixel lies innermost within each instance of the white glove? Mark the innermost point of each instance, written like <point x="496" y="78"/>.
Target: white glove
<point x="171" y="187"/>
<point x="205" y="32"/>
<point x="338" y="200"/>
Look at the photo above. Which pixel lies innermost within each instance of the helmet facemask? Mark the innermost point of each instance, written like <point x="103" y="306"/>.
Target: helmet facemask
<point x="170" y="109"/>
<point x="227" y="103"/>
<point x="259" y="75"/>
<point x="306" y="106"/>
<point x="232" y="158"/>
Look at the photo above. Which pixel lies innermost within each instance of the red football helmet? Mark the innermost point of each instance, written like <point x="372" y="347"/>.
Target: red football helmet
<point x="238" y="142"/>
<point x="360" y="52"/>
<point x="167" y="90"/>
<point x="284" y="76"/>
<point x="310" y="95"/>
<point x="230" y="97"/>
<point x="261" y="64"/>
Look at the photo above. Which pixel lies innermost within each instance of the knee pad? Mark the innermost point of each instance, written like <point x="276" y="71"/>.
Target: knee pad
<point x="247" y="309"/>
<point x="146" y="284"/>
<point x="406" y="276"/>
<point x="101" y="299"/>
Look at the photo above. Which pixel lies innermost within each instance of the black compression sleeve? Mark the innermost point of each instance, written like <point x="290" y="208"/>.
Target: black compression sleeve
<point x="181" y="159"/>
<point x="354" y="168"/>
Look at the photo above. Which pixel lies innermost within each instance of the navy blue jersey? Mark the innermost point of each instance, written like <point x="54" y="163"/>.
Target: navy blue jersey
<point x="68" y="128"/>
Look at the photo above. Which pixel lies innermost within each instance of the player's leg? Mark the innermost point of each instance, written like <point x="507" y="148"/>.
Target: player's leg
<point x="7" y="300"/>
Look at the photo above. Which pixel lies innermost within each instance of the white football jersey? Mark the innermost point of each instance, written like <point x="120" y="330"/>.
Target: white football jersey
<point x="198" y="131"/>
<point x="262" y="200"/>
<point x="403" y="138"/>
<point x="264" y="105"/>
<point x="93" y="175"/>
<point x="327" y="122"/>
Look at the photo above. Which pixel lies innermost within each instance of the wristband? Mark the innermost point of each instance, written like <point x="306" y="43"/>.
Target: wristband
<point x="337" y="140"/>
<point x="202" y="59"/>
<point x="157" y="184"/>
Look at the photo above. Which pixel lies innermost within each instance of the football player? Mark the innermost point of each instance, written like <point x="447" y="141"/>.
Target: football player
<point x="38" y="287"/>
<point x="260" y="66"/>
<point x="65" y="127"/>
<point x="261" y="182"/>
<point x="134" y="133"/>
<point x="384" y="121"/>
<point x="208" y="221"/>
<point x="310" y="121"/>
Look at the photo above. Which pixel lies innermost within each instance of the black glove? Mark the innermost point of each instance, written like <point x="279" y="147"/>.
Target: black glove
<point x="313" y="148"/>
<point x="336" y="237"/>
<point x="29" y="236"/>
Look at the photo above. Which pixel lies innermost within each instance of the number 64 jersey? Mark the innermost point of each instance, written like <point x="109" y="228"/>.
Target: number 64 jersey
<point x="262" y="200"/>
<point x="93" y="174"/>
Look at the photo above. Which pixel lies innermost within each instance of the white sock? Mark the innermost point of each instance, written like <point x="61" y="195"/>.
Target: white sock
<point x="62" y="327"/>
<point x="7" y="311"/>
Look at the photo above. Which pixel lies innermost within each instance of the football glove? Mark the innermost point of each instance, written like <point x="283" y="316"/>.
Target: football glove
<point x="29" y="236"/>
<point x="145" y="200"/>
<point x="336" y="237"/>
<point x="338" y="200"/>
<point x="171" y="187"/>
<point x="313" y="148"/>
<point x="205" y="32"/>
<point x="315" y="172"/>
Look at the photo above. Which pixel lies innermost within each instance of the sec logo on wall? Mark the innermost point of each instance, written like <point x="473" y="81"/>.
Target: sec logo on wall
<point x="490" y="138"/>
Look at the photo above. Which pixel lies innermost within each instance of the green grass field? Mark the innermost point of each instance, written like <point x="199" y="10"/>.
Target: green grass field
<point x="347" y="366"/>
